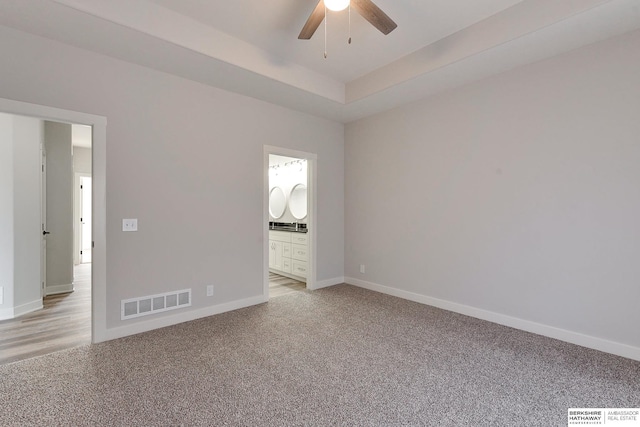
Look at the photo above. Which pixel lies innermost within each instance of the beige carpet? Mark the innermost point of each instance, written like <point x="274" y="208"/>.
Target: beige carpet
<point x="337" y="356"/>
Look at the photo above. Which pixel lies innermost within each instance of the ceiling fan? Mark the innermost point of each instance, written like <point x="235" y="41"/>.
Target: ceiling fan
<point x="366" y="8"/>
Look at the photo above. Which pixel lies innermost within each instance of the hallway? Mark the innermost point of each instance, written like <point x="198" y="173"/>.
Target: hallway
<point x="64" y="322"/>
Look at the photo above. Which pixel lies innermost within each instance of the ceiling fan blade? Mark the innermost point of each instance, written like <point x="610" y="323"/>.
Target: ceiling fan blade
<point x="374" y="15"/>
<point x="314" y="21"/>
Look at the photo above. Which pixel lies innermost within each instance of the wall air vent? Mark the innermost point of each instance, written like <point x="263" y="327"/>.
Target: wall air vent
<point x="142" y="306"/>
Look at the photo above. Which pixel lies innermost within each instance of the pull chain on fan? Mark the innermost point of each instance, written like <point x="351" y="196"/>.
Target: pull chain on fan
<point x="326" y="6"/>
<point x="349" y="22"/>
<point x="325" y="28"/>
<point x="325" y="32"/>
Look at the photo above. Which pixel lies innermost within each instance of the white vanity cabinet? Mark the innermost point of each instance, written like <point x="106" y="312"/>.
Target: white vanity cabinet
<point x="280" y="251"/>
<point x="288" y="253"/>
<point x="276" y="255"/>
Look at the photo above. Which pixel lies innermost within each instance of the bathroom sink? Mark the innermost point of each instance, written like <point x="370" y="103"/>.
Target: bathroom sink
<point x="287" y="228"/>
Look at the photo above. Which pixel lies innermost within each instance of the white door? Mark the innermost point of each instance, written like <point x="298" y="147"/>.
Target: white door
<point x="85" y="219"/>
<point x="43" y="219"/>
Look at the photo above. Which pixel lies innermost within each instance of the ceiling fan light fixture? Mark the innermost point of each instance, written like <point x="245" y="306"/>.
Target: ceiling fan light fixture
<point x="336" y="5"/>
<point x="366" y="8"/>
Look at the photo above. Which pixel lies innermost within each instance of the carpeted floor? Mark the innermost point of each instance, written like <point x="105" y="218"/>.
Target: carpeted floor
<point x="337" y="356"/>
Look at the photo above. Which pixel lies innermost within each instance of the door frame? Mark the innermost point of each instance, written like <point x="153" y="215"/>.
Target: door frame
<point x="99" y="150"/>
<point x="312" y="161"/>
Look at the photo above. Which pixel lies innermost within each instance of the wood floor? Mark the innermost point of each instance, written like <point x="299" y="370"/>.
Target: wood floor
<point x="280" y="285"/>
<point x="64" y="322"/>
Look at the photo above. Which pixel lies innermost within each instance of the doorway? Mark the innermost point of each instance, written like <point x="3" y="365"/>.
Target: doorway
<point x="67" y="164"/>
<point x="97" y="126"/>
<point x="57" y="295"/>
<point x="289" y="221"/>
<point x="85" y="220"/>
<point x="82" y="214"/>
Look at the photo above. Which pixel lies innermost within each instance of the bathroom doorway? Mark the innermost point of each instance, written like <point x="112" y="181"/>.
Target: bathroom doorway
<point x="289" y="221"/>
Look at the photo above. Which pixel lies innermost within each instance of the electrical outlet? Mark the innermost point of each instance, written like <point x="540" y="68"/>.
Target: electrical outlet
<point x="130" y="224"/>
<point x="361" y="268"/>
<point x="210" y="290"/>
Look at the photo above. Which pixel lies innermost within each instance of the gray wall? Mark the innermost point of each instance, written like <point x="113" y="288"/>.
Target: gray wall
<point x="187" y="161"/>
<point x="6" y="212"/>
<point x="517" y="195"/>
<point x="57" y="138"/>
<point x="82" y="160"/>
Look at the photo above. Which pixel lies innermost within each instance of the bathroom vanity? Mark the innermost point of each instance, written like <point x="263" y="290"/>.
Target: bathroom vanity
<point x="288" y="251"/>
<point x="288" y="209"/>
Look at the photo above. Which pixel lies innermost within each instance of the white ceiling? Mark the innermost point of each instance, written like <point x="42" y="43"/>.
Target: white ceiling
<point x="251" y="46"/>
<point x="274" y="26"/>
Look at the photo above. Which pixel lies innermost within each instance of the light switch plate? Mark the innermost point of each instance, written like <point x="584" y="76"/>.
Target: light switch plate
<point x="130" y="224"/>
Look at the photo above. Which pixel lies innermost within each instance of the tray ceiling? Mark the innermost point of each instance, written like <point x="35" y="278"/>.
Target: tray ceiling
<point x="251" y="46"/>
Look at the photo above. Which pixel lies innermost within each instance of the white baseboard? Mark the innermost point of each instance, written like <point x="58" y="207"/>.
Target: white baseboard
<point x="6" y="313"/>
<point x="13" y="312"/>
<point x="28" y="307"/>
<point x="174" y="319"/>
<point x="179" y="317"/>
<point x="58" y="289"/>
<point x="329" y="282"/>
<point x="577" y="338"/>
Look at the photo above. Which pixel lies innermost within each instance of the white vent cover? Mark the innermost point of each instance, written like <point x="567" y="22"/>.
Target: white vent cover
<point x="136" y="307"/>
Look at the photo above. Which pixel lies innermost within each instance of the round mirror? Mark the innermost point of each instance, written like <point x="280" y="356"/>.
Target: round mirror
<point x="298" y="201"/>
<point x="277" y="202"/>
